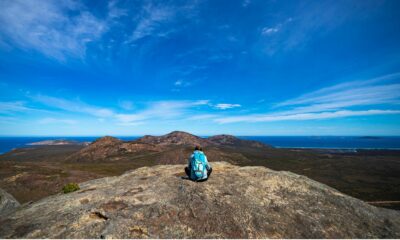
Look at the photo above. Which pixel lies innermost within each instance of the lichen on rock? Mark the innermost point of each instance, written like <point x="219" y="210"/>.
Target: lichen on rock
<point x="8" y="203"/>
<point x="236" y="202"/>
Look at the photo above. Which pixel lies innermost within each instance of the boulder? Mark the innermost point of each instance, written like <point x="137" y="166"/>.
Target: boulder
<point x="8" y="203"/>
<point x="236" y="202"/>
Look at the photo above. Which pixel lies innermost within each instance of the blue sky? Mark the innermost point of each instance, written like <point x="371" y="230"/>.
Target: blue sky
<point x="245" y="67"/>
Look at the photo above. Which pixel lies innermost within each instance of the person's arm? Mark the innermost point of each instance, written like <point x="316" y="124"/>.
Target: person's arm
<point x="190" y="160"/>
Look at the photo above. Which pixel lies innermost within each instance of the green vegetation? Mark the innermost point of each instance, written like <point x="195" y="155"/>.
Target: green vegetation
<point x="370" y="175"/>
<point x="70" y="187"/>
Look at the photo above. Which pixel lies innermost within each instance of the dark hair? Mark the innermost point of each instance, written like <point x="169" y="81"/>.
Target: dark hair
<point x="197" y="148"/>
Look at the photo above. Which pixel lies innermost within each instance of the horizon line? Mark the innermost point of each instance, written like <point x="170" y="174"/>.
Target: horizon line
<point x="237" y="135"/>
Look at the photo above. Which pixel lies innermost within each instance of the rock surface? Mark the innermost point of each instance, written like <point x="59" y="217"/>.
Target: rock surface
<point x="8" y="203"/>
<point x="236" y="202"/>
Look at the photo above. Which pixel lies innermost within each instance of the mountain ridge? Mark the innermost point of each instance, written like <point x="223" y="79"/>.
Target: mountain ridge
<point x="112" y="149"/>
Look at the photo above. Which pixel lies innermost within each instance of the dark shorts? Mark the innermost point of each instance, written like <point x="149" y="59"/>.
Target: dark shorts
<point x="187" y="171"/>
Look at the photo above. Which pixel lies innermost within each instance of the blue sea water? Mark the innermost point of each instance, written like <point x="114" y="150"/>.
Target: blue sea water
<point x="332" y="142"/>
<point x="8" y="143"/>
<point x="329" y="142"/>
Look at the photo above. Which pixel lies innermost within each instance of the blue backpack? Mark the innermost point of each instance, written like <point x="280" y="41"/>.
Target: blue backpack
<point x="199" y="170"/>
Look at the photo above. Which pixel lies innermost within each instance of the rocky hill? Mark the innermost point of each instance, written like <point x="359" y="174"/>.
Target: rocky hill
<point x="236" y="202"/>
<point x="175" y="138"/>
<point x="111" y="149"/>
<point x="175" y="146"/>
<point x="229" y="140"/>
<point x="184" y="138"/>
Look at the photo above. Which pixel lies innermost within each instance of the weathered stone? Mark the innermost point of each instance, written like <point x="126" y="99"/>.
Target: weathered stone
<point x="236" y="202"/>
<point x="8" y="203"/>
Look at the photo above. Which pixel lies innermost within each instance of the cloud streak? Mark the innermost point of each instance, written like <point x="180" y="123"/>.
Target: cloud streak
<point x="304" y="116"/>
<point x="334" y="102"/>
<point x="16" y="106"/>
<point x="161" y="110"/>
<point x="152" y="18"/>
<point x="73" y="106"/>
<point x="224" y="106"/>
<point x="371" y="91"/>
<point x="49" y="28"/>
<point x="157" y="110"/>
<point x="269" y="31"/>
<point x="56" y="121"/>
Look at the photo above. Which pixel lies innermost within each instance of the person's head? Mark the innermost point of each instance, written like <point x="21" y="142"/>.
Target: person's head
<point x="197" y="148"/>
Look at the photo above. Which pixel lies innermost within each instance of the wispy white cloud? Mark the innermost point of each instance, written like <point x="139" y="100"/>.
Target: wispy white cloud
<point x="115" y="12"/>
<point x="202" y="117"/>
<point x="161" y="110"/>
<point x="181" y="83"/>
<point x="310" y="20"/>
<point x="334" y="102"/>
<point x="16" y="106"/>
<point x="152" y="18"/>
<point x="73" y="106"/>
<point x="8" y="120"/>
<point x="304" y="116"/>
<point x="178" y="82"/>
<point x="353" y="93"/>
<point x="157" y="110"/>
<point x="156" y="19"/>
<point x="57" y="120"/>
<point x="224" y="106"/>
<point x="130" y="124"/>
<point x="46" y="27"/>
<point x="269" y="30"/>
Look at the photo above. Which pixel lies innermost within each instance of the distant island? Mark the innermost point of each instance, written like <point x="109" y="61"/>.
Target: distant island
<point x="57" y="142"/>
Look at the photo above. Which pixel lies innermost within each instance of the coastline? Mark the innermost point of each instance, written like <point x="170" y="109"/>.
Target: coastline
<point x="313" y="143"/>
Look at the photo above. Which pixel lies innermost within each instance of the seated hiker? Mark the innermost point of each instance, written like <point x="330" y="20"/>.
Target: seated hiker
<point x="198" y="168"/>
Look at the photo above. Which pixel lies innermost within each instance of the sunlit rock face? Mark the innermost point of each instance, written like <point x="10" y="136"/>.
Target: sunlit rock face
<point x="8" y="203"/>
<point x="236" y="202"/>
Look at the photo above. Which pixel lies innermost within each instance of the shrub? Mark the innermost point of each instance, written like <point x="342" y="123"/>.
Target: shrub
<point x="70" y="187"/>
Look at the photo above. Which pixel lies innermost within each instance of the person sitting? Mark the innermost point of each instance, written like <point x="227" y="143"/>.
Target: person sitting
<point x="198" y="168"/>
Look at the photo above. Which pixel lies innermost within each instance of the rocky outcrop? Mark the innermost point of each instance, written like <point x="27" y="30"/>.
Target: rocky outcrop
<point x="176" y="147"/>
<point x="229" y="140"/>
<point x="175" y="138"/>
<point x="98" y="150"/>
<point x="8" y="203"/>
<point x="236" y="202"/>
<point x="110" y="149"/>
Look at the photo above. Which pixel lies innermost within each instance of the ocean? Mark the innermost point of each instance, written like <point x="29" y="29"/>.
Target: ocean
<point x="8" y="143"/>
<point x="326" y="142"/>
